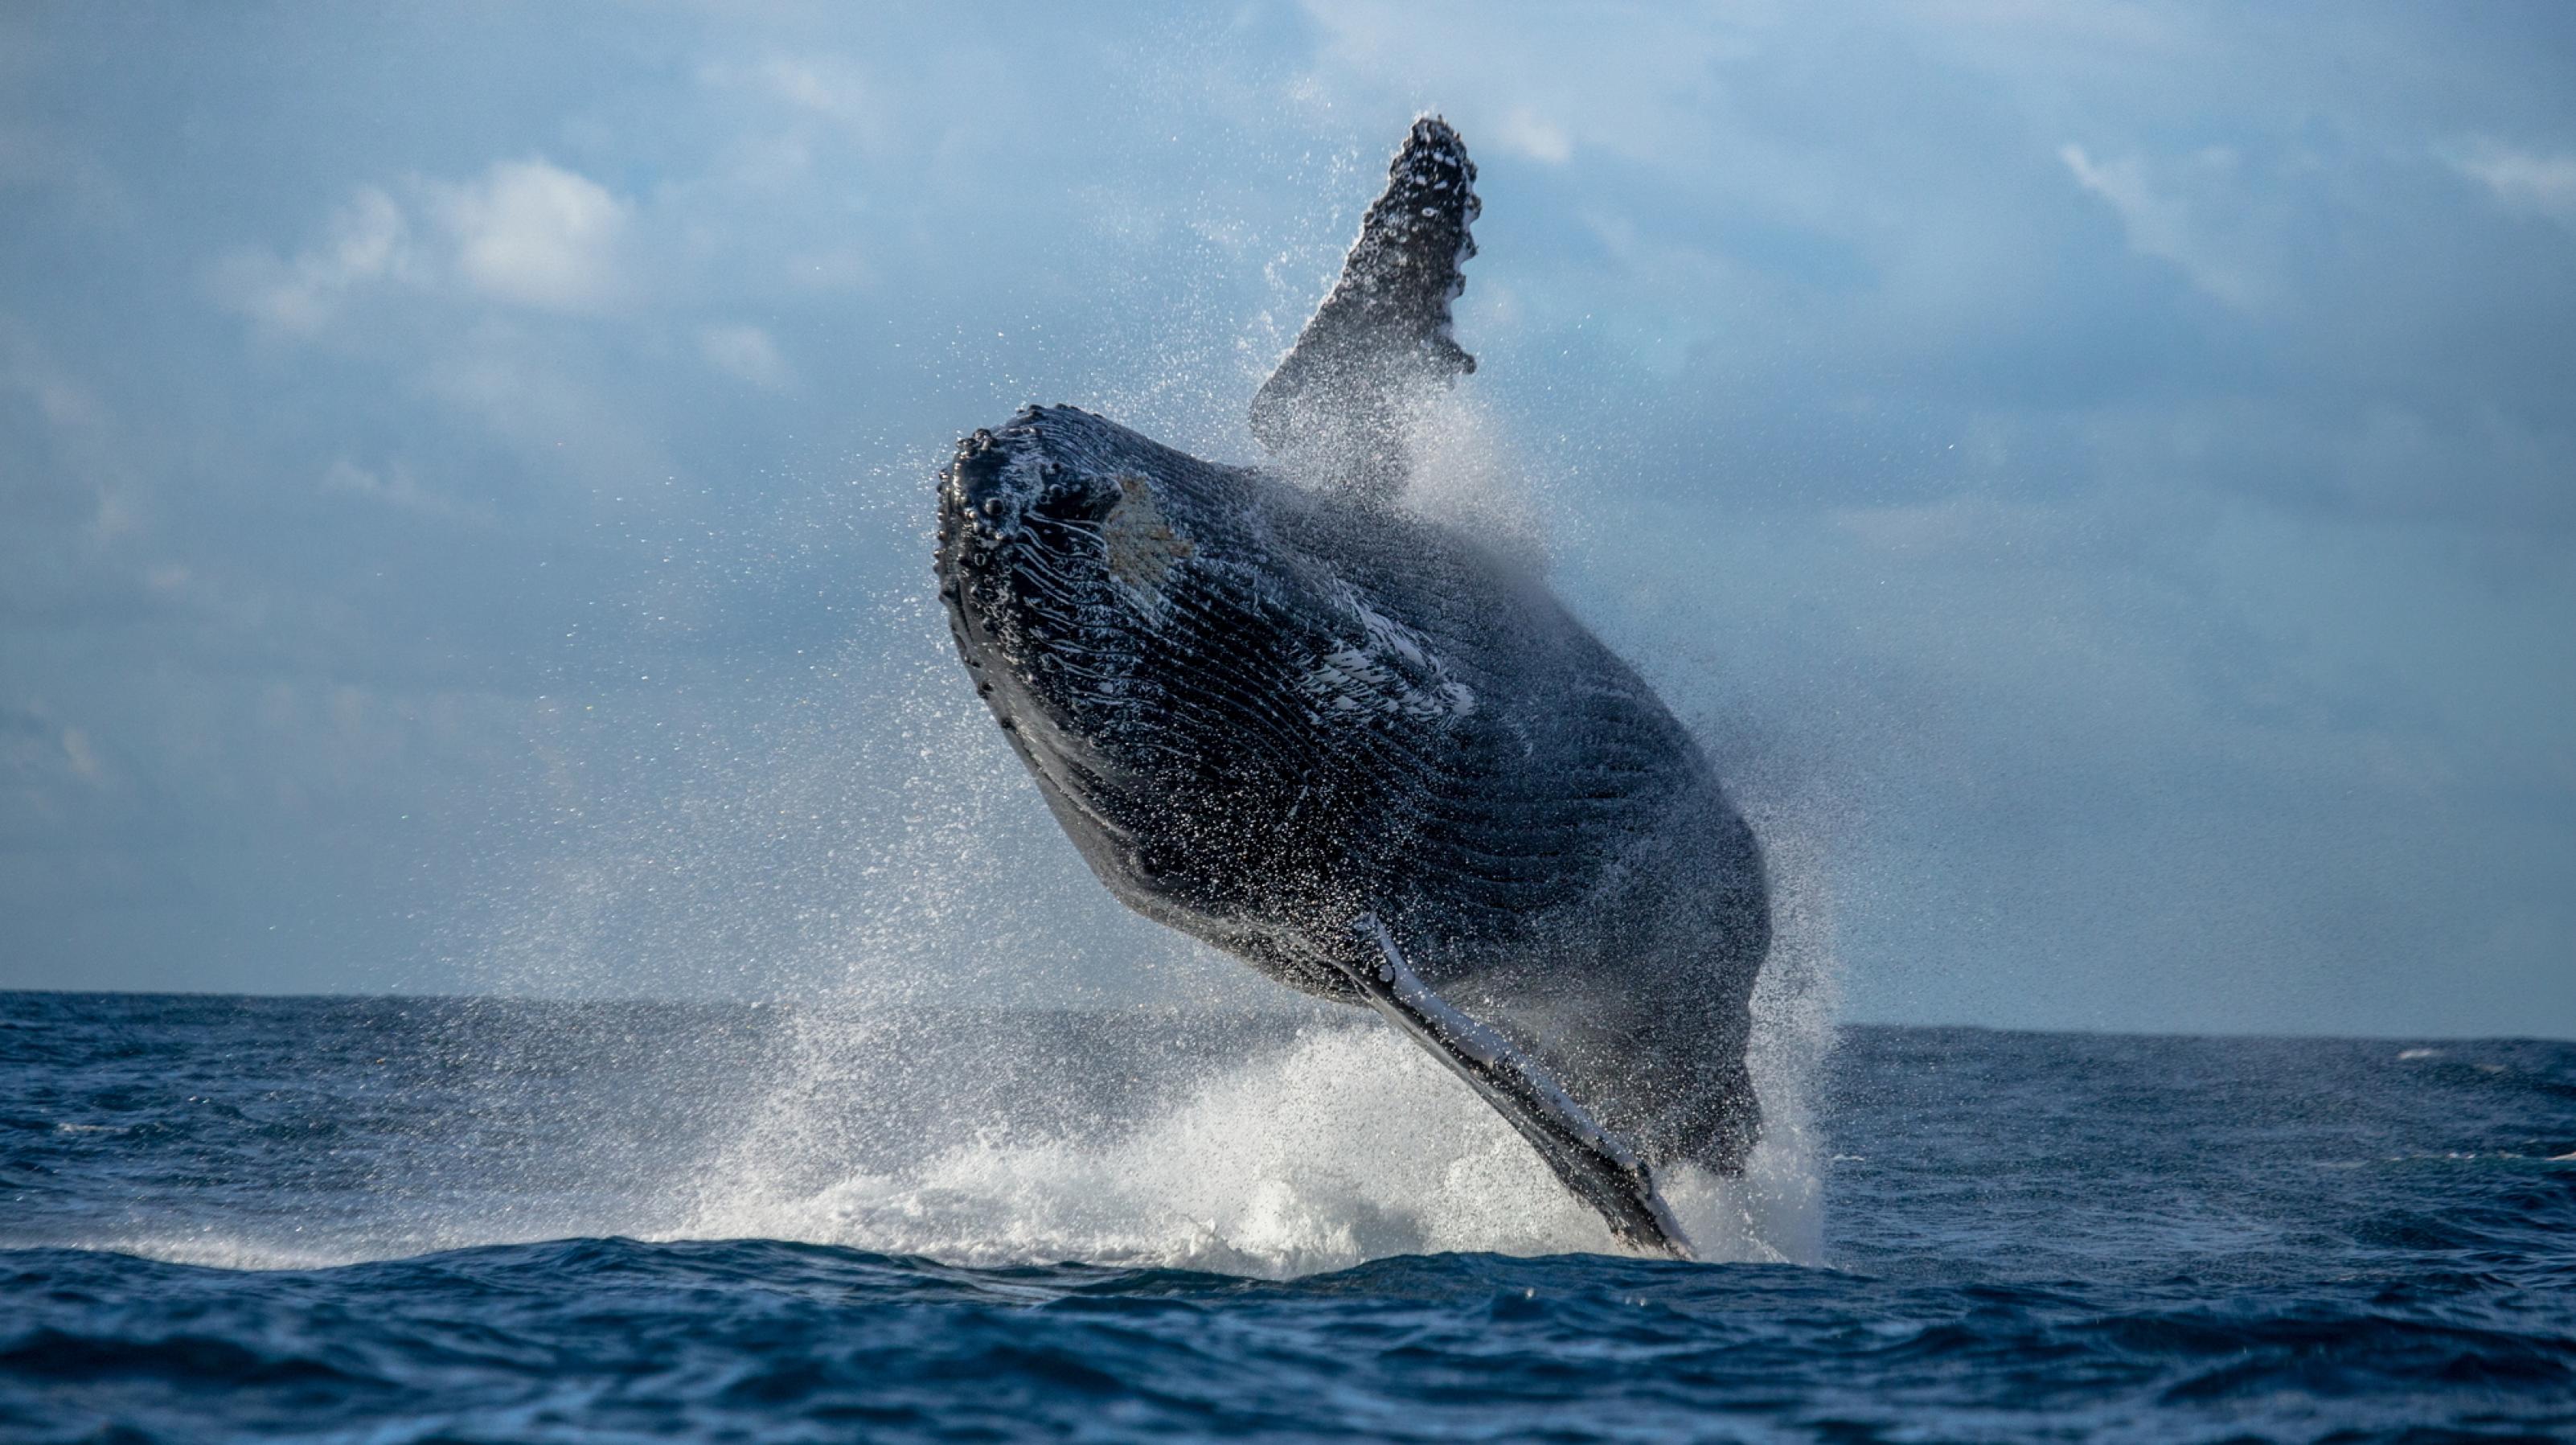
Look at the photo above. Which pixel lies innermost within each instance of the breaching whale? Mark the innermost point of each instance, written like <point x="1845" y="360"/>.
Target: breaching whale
<point x="1347" y="742"/>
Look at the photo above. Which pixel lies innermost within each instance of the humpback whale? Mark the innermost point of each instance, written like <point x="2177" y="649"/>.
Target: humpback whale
<point x="1346" y="741"/>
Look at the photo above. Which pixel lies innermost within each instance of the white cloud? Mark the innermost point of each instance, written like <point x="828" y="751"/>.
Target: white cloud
<point x="35" y="160"/>
<point x="368" y="240"/>
<point x="1539" y="87"/>
<point x="562" y="423"/>
<point x="88" y="446"/>
<point x="82" y="757"/>
<point x="529" y="233"/>
<point x="2525" y="181"/>
<point x="2164" y="217"/>
<point x="828" y="86"/>
<point x="24" y="368"/>
<point x="1533" y="135"/>
<point x="811" y="109"/>
<point x="748" y="353"/>
<point x="539" y="235"/>
<point x="395" y="486"/>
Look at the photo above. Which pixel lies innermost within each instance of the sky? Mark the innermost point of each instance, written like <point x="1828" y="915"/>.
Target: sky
<point x="2100" y="478"/>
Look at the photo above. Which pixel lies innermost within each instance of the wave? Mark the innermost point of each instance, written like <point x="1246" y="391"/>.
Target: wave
<point x="616" y="1339"/>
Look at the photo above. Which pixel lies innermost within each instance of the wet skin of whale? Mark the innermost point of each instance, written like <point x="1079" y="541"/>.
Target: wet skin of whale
<point x="1372" y="757"/>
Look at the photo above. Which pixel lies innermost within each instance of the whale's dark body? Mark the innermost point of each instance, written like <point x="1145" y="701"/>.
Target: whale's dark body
<point x="1364" y="752"/>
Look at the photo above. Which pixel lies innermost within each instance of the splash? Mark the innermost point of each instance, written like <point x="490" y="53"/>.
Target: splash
<point x="1343" y="1144"/>
<point x="888" y="857"/>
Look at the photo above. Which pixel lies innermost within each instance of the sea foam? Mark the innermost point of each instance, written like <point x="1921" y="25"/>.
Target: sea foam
<point x="1347" y="1144"/>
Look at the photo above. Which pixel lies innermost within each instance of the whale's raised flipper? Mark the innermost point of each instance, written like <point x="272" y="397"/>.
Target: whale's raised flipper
<point x="1596" y="1164"/>
<point x="1335" y="408"/>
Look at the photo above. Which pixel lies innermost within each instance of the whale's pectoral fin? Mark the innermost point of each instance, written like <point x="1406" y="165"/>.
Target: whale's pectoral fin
<point x="1596" y="1164"/>
<point x="1337" y="403"/>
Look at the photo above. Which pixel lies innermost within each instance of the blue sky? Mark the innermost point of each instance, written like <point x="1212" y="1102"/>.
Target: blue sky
<point x="2102" y="477"/>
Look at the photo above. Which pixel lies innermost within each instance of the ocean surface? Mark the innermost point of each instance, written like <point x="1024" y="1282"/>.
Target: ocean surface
<point x="381" y="1220"/>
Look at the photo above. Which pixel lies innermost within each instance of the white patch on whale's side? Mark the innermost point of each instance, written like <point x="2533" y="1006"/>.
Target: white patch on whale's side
<point x="1141" y="545"/>
<point x="1391" y="671"/>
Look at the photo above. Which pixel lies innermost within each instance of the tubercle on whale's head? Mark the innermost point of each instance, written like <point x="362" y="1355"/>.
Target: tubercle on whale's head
<point x="1053" y="519"/>
<point x="1080" y="492"/>
<point x="1017" y="556"/>
<point x="1001" y="481"/>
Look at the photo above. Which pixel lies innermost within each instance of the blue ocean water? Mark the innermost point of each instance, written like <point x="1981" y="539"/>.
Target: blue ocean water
<point x="375" y="1220"/>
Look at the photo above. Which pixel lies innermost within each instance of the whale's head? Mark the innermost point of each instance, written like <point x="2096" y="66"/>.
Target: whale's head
<point x="1079" y="565"/>
<point x="1196" y="661"/>
<point x="1063" y="543"/>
